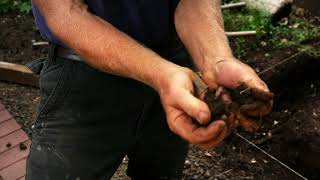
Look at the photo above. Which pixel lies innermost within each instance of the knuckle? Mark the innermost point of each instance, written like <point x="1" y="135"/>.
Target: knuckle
<point x="205" y="147"/>
<point x="196" y="139"/>
<point x="171" y="127"/>
<point x="188" y="71"/>
<point x="209" y="146"/>
<point x="201" y="136"/>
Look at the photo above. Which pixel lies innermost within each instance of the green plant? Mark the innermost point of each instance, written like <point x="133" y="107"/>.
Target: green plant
<point x="23" y="6"/>
<point x="243" y="20"/>
<point x="294" y="32"/>
<point x="239" y="50"/>
<point x="298" y="33"/>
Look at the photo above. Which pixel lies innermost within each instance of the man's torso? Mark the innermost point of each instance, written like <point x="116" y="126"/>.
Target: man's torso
<point x="149" y="22"/>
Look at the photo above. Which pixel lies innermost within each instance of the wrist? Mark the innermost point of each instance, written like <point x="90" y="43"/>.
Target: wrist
<point x="172" y="75"/>
<point x="209" y="63"/>
<point x="159" y="75"/>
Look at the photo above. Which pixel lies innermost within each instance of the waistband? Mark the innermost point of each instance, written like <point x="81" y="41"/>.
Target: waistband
<point x="64" y="52"/>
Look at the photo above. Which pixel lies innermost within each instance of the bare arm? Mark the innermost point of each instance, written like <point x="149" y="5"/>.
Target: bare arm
<point x="200" y="26"/>
<point x="101" y="44"/>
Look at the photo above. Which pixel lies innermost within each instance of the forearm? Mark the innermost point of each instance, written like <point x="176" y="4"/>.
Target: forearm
<point x="199" y="25"/>
<point x="100" y="44"/>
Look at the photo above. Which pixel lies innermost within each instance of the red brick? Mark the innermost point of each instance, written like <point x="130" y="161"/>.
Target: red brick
<point x="14" y="139"/>
<point x="14" y="171"/>
<point x="13" y="155"/>
<point x="8" y="127"/>
<point x="1" y="106"/>
<point x="4" y="115"/>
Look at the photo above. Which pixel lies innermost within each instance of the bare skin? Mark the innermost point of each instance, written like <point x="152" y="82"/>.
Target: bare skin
<point x="110" y="50"/>
<point x="199" y="25"/>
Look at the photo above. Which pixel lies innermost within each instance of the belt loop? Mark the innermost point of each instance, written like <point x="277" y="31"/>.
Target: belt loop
<point x="51" y="53"/>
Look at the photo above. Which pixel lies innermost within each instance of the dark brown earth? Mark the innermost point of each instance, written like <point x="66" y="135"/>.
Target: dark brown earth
<point x="290" y="133"/>
<point x="217" y="105"/>
<point x="243" y="99"/>
<point x="17" y="32"/>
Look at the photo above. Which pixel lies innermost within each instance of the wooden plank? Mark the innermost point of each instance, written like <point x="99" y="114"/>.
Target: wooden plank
<point x="233" y="5"/>
<point x="4" y="115"/>
<point x="14" y="171"/>
<point x="8" y="127"/>
<point x="12" y="140"/>
<point x="15" y="67"/>
<point x="241" y="33"/>
<point x="18" y="74"/>
<point x="41" y="43"/>
<point x="13" y="155"/>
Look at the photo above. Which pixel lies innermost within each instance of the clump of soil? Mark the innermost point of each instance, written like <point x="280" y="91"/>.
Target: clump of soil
<point x="243" y="95"/>
<point x="242" y="99"/>
<point x="216" y="104"/>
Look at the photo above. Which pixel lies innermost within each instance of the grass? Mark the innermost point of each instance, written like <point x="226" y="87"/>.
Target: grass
<point x="294" y="32"/>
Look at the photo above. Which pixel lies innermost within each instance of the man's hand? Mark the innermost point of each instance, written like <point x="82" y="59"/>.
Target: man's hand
<point x="199" y="25"/>
<point x="231" y="74"/>
<point x="181" y="106"/>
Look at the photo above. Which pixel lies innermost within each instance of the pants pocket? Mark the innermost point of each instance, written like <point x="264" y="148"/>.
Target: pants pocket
<point x="53" y="87"/>
<point x="36" y="65"/>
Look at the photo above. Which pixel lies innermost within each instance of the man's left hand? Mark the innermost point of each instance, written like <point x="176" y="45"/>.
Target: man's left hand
<point x="232" y="73"/>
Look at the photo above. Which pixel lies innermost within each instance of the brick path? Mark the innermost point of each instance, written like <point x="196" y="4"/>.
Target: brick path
<point x="14" y="147"/>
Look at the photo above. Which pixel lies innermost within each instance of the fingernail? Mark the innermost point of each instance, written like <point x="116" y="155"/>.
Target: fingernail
<point x="203" y="116"/>
<point x="224" y="124"/>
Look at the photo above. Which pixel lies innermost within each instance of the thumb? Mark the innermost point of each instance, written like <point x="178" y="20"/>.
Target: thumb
<point x="194" y="107"/>
<point x="200" y="88"/>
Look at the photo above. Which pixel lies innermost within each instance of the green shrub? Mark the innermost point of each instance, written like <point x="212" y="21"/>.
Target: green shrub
<point x="23" y="6"/>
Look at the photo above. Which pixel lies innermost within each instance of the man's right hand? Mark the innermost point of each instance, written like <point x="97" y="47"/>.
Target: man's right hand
<point x="181" y="106"/>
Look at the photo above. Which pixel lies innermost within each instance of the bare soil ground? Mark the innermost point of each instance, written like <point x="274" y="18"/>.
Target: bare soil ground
<point x="291" y="132"/>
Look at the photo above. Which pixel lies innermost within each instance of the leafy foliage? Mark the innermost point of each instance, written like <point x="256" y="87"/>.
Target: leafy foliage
<point x="297" y="33"/>
<point x="23" y="6"/>
<point x="293" y="32"/>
